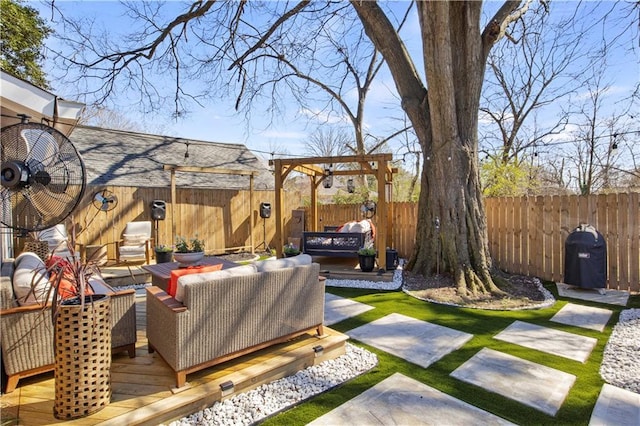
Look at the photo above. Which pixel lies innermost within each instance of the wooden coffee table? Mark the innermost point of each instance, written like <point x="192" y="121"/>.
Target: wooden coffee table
<point x="161" y="272"/>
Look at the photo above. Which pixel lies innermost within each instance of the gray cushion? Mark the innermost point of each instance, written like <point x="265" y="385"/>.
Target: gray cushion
<point x="287" y="262"/>
<point x="209" y="276"/>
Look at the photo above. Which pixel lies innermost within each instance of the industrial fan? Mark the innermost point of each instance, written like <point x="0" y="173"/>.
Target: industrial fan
<point x="105" y="200"/>
<point x="43" y="177"/>
<point x="368" y="209"/>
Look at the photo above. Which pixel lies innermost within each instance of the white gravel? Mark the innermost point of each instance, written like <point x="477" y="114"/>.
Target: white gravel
<point x="375" y="285"/>
<point x="621" y="362"/>
<point x="265" y="400"/>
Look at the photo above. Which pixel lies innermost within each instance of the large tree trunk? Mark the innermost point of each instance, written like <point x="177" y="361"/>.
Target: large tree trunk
<point x="445" y="119"/>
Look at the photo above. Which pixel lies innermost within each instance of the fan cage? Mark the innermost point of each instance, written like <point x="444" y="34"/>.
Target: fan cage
<point x="52" y="182"/>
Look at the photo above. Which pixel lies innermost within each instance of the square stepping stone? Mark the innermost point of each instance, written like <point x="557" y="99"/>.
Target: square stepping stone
<point x="545" y="339"/>
<point x="583" y="316"/>
<point x="610" y="297"/>
<point x="400" y="400"/>
<point x="338" y="308"/>
<point x="616" y="406"/>
<point x="416" y="341"/>
<point x="531" y="384"/>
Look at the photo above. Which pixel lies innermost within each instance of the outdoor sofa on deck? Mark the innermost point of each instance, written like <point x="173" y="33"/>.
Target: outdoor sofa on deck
<point x="229" y="313"/>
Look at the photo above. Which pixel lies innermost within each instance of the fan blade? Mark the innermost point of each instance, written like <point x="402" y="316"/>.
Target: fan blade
<point x="42" y="146"/>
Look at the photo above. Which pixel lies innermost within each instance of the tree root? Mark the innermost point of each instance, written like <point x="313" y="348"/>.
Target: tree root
<point x="469" y="283"/>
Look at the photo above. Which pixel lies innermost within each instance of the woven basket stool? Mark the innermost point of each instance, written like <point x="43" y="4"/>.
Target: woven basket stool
<point x="82" y="358"/>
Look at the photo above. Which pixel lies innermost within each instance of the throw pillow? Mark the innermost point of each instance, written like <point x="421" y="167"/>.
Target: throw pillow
<point x="66" y="283"/>
<point x="209" y="276"/>
<point x="177" y="273"/>
<point x="30" y="280"/>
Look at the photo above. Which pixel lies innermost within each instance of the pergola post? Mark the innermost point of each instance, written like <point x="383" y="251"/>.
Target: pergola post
<point x="173" y="205"/>
<point x="252" y="218"/>
<point x="381" y="235"/>
<point x="279" y="200"/>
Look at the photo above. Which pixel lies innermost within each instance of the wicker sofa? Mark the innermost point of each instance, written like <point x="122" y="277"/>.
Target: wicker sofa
<point x="223" y="316"/>
<point x="26" y="332"/>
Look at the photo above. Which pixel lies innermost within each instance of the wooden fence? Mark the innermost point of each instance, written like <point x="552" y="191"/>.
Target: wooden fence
<point x="527" y="234"/>
<point x="220" y="217"/>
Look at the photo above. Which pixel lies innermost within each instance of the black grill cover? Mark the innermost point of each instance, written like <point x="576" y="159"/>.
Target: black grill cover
<point x="585" y="258"/>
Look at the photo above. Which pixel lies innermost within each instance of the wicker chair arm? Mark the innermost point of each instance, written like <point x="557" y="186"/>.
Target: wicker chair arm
<point x="24" y="309"/>
<point x="167" y="301"/>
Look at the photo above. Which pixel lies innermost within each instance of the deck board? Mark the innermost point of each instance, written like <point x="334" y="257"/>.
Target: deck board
<point x="142" y="387"/>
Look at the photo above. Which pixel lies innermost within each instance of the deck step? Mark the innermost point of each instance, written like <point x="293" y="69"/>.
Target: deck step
<point x="246" y="373"/>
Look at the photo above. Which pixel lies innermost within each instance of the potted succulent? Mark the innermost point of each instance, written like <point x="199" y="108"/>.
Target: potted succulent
<point x="367" y="258"/>
<point x="164" y="253"/>
<point x="189" y="252"/>
<point x="290" y="250"/>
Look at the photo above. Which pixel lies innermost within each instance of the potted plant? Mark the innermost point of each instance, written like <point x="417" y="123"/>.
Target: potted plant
<point x="82" y="336"/>
<point x="164" y="253"/>
<point x="189" y="252"/>
<point x="367" y="258"/>
<point x="290" y="250"/>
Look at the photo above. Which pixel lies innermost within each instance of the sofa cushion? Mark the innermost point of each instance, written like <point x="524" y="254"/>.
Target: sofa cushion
<point x="209" y="276"/>
<point x="30" y="280"/>
<point x="287" y="262"/>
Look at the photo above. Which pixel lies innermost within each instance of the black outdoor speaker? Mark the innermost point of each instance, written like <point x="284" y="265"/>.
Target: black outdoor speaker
<point x="158" y="210"/>
<point x="265" y="210"/>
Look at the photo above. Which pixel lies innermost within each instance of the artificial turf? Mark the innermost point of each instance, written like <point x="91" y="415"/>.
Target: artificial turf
<point x="483" y="324"/>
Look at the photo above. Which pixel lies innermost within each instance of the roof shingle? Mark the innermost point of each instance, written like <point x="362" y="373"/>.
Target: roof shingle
<point x="123" y="158"/>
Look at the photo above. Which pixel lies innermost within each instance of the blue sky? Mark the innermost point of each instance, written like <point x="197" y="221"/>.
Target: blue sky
<point x="218" y="121"/>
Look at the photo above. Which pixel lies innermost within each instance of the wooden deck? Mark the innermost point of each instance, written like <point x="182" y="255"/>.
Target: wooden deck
<point x="348" y="268"/>
<point x="143" y="387"/>
<point x="341" y="268"/>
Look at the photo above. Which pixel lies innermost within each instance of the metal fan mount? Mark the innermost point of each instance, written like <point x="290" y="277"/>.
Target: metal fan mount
<point x="105" y="200"/>
<point x="42" y="175"/>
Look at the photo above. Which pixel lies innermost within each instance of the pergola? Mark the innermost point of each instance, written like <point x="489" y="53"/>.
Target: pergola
<point x="189" y="169"/>
<point x="378" y="165"/>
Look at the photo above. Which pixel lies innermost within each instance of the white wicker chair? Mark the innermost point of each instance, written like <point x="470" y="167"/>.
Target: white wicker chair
<point x="136" y="242"/>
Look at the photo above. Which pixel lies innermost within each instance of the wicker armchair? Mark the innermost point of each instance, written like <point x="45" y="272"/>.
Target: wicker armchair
<point x="26" y="332"/>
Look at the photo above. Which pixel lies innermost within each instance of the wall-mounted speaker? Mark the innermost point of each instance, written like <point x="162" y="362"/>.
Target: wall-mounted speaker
<point x="158" y="210"/>
<point x="265" y="210"/>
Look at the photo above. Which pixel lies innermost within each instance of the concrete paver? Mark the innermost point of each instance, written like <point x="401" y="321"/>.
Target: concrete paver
<point x="400" y="400"/>
<point x="416" y="341"/>
<point x="583" y="316"/>
<point x="531" y="384"/>
<point x="545" y="339"/>
<point x="338" y="308"/>
<point x="610" y="297"/>
<point x="616" y="406"/>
